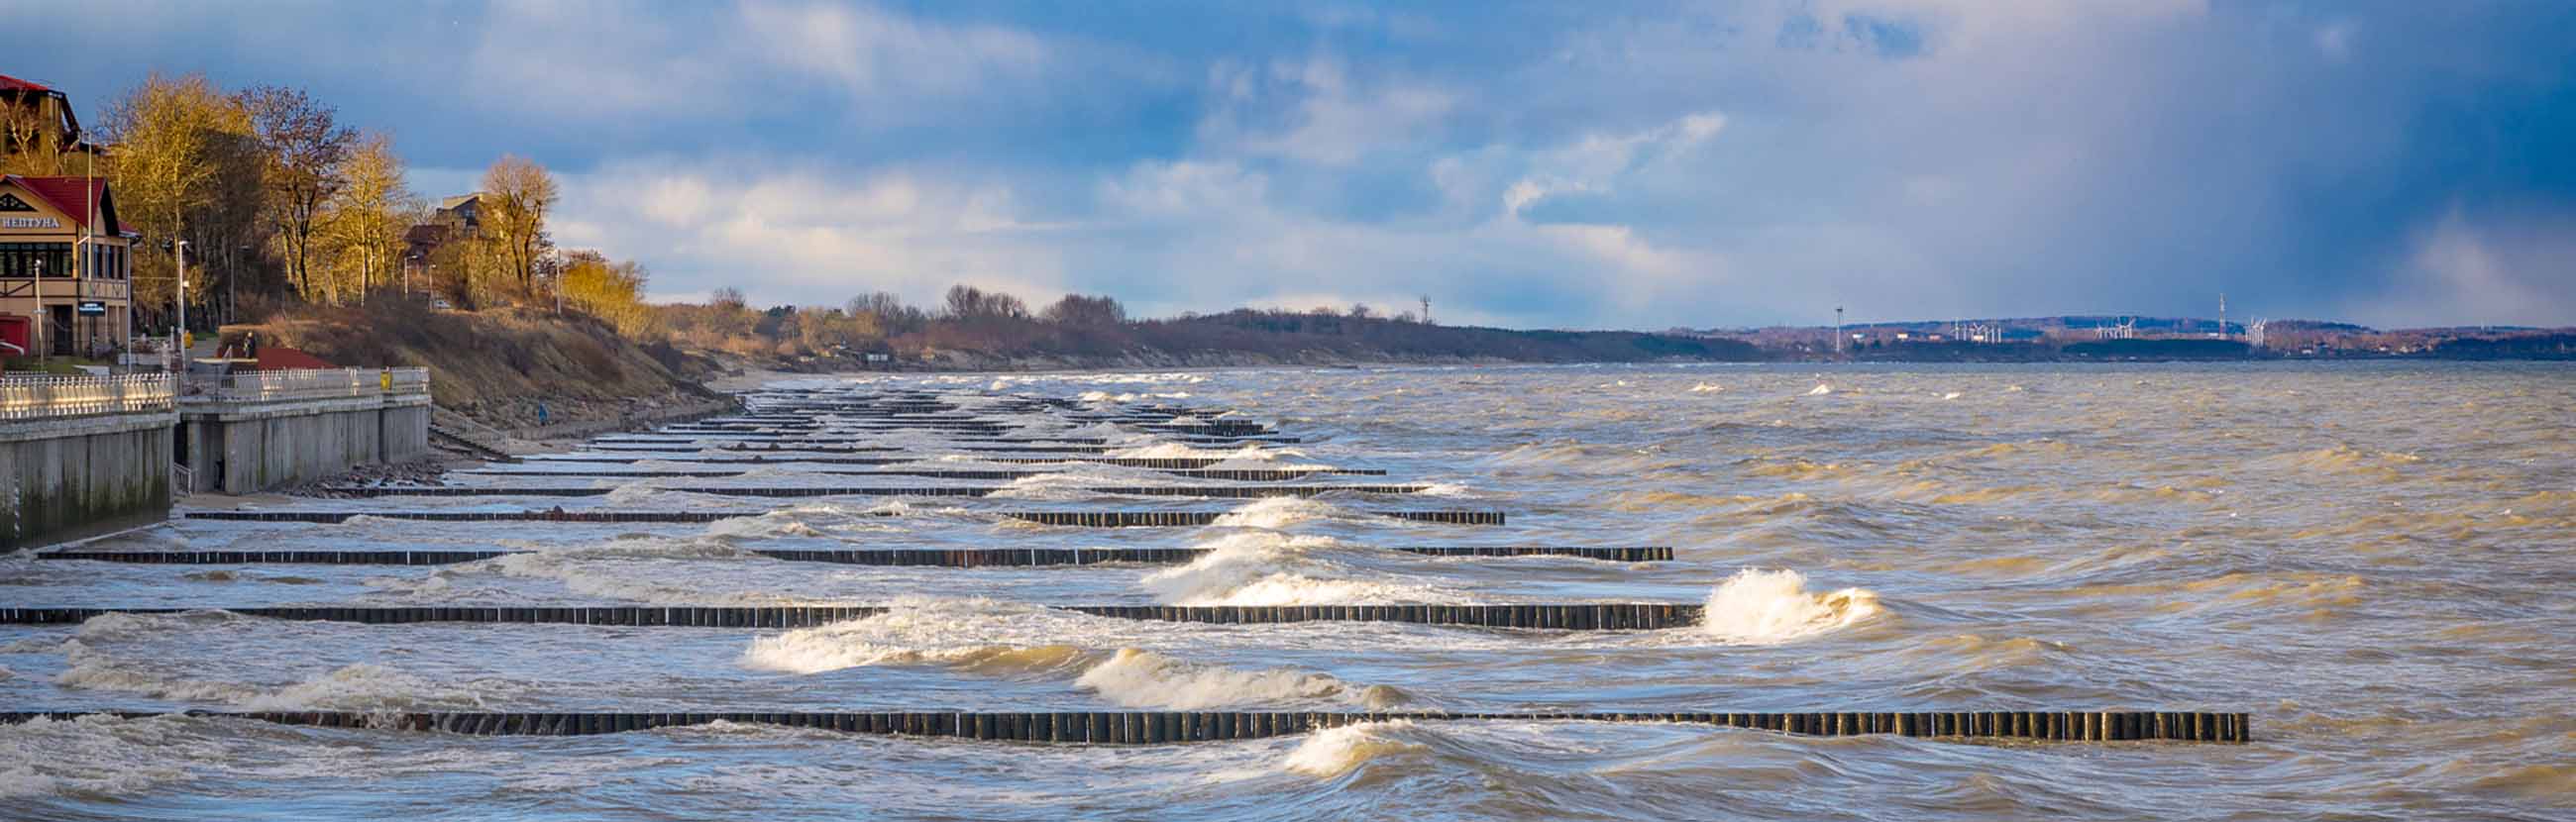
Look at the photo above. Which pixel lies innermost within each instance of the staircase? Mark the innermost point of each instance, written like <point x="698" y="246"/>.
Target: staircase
<point x="458" y="433"/>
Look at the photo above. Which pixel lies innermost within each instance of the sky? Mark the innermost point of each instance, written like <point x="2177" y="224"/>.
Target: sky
<point x="1528" y="164"/>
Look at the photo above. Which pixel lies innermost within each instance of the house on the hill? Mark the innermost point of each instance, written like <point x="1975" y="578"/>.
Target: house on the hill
<point x="66" y="266"/>
<point x="37" y="127"/>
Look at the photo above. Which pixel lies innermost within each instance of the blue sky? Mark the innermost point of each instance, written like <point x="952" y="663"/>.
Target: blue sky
<point x="1636" y="165"/>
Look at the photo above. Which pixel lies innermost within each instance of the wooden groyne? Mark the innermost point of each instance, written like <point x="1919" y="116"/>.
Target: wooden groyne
<point x="1626" y="616"/>
<point x="1083" y="519"/>
<point x="1205" y="491"/>
<point x="931" y="557"/>
<point x="1232" y="474"/>
<point x="1170" y="727"/>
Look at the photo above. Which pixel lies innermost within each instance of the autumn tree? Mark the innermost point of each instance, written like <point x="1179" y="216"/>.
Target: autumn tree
<point x="364" y="220"/>
<point x="517" y="194"/>
<point x="829" y="329"/>
<point x="305" y="148"/>
<point x="182" y="153"/>
<point x="612" y="291"/>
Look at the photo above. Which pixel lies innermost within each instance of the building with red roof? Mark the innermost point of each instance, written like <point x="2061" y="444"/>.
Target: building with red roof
<point x="66" y="266"/>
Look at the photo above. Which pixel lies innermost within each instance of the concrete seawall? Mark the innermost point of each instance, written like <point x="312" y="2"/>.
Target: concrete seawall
<point x="82" y="476"/>
<point x="259" y="431"/>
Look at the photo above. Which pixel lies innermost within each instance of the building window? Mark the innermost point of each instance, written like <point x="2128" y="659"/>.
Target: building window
<point x="22" y="259"/>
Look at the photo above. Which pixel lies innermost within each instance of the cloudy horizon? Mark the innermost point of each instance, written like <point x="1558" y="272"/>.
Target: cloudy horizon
<point x="1530" y="165"/>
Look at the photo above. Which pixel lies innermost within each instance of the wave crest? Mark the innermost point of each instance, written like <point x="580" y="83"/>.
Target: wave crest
<point x="1758" y="607"/>
<point x="1335" y="751"/>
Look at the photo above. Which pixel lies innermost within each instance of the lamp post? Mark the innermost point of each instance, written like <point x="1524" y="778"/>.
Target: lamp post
<point x="43" y="317"/>
<point x="179" y="335"/>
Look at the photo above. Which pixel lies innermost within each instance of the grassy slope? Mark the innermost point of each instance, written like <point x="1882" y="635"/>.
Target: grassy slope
<point x="495" y="365"/>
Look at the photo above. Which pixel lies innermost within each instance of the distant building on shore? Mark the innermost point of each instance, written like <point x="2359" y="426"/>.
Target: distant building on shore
<point x="456" y="218"/>
<point x="37" y="128"/>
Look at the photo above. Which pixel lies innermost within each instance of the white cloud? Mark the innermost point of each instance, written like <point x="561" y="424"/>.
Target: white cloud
<point x="810" y="235"/>
<point x="2513" y="269"/>
<point x="877" y="54"/>
<point x="1312" y="111"/>
<point x="601" y="58"/>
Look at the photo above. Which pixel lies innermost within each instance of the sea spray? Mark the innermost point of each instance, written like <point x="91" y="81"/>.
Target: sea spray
<point x="1759" y="607"/>
<point x="1332" y="752"/>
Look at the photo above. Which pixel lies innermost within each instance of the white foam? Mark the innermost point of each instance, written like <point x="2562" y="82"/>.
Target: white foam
<point x="912" y="631"/>
<point x="1335" y="751"/>
<point x="1758" y="607"/>
<point x="1143" y="679"/>
<point x="1263" y="568"/>
<point x="1278" y="512"/>
<point x="1707" y="388"/>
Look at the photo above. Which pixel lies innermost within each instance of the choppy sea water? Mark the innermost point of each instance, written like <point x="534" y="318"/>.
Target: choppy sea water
<point x="2373" y="559"/>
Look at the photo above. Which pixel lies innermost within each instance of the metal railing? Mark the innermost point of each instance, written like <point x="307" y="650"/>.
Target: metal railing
<point x="40" y="397"/>
<point x="312" y="383"/>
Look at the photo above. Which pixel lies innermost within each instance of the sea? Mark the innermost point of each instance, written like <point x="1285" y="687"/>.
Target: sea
<point x="2372" y="560"/>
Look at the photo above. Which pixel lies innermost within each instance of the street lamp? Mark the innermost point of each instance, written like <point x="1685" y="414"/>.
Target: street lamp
<point x="43" y="317"/>
<point x="179" y="335"/>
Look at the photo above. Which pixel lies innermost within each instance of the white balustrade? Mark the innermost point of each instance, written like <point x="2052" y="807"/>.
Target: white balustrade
<point x="40" y="397"/>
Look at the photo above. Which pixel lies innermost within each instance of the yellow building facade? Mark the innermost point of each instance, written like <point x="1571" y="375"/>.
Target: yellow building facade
<point x="66" y="267"/>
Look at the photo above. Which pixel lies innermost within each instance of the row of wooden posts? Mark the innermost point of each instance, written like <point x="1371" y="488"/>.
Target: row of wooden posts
<point x="1163" y="727"/>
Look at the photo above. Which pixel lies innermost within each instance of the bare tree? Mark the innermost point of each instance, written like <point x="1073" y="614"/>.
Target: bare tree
<point x="968" y="302"/>
<point x="305" y="147"/>
<point x="517" y="194"/>
<point x="1080" y="310"/>
<point x="888" y="312"/>
<point x="727" y="297"/>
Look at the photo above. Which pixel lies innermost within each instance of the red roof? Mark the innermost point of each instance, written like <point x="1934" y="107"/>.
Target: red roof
<point x="70" y="195"/>
<point x="14" y="84"/>
<point x="282" y="358"/>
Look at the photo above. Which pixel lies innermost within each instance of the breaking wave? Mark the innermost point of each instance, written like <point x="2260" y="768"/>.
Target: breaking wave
<point x="1144" y="679"/>
<point x="988" y="638"/>
<point x="1335" y="751"/>
<point x="1259" y="568"/>
<point x="1758" y="607"/>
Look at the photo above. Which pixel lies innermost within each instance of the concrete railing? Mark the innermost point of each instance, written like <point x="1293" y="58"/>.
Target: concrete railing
<point x="27" y="398"/>
<point x="312" y="384"/>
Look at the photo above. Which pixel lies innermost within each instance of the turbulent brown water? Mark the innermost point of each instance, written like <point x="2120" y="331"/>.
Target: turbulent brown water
<point x="2373" y="559"/>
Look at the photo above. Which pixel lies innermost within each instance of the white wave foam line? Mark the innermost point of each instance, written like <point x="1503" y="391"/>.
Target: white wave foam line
<point x="1178" y="450"/>
<point x="914" y="630"/>
<point x="1758" y="607"/>
<point x="1138" y="678"/>
<point x="1279" y="512"/>
<point x="1335" y="751"/>
<point x="1008" y="639"/>
<point x="1707" y="388"/>
<point x="1261" y="568"/>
